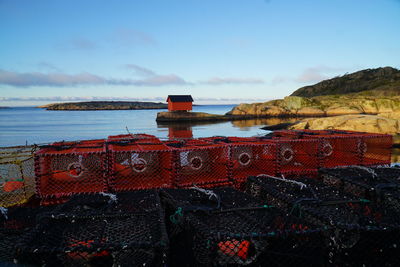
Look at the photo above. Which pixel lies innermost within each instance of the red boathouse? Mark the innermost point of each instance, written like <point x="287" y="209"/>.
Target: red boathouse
<point x="179" y="102"/>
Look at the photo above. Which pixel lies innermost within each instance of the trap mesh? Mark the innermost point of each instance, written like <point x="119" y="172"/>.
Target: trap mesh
<point x="203" y="165"/>
<point x="64" y="169"/>
<point x="15" y="222"/>
<point x="376" y="149"/>
<point x="252" y="159"/>
<point x="136" y="166"/>
<point x="344" y="148"/>
<point x="296" y="157"/>
<point x="17" y="176"/>
<point x="126" y="229"/>
<point x="381" y="185"/>
<point x="362" y="231"/>
<point x="227" y="227"/>
<point x="248" y="156"/>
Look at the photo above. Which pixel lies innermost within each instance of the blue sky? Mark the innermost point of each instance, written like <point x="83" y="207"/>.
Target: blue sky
<point x="219" y="51"/>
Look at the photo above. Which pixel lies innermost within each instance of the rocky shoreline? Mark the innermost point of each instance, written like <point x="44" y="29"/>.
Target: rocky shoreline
<point x="105" y="105"/>
<point x="183" y="116"/>
<point x="323" y="106"/>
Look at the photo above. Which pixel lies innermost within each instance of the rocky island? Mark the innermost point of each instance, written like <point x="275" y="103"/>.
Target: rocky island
<point x="366" y="101"/>
<point x="371" y="91"/>
<point x="105" y="105"/>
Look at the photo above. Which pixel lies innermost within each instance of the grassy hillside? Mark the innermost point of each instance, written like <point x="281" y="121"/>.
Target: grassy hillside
<point x="380" y="82"/>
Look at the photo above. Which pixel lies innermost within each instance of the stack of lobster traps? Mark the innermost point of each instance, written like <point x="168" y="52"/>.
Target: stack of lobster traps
<point x="379" y="185"/>
<point x="292" y="197"/>
<point x="15" y="223"/>
<point x="226" y="227"/>
<point x="141" y="161"/>
<point x="126" y="229"/>
<point x="362" y="232"/>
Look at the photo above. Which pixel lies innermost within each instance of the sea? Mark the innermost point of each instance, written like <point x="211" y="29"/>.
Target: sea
<point x="31" y="125"/>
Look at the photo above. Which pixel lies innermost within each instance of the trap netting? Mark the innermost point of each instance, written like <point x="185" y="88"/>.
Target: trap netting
<point x="15" y="222"/>
<point x="376" y="149"/>
<point x="141" y="164"/>
<point x="344" y="148"/>
<point x="381" y="185"/>
<point x="247" y="156"/>
<point x="362" y="232"/>
<point x="125" y="229"/>
<point x="297" y="157"/>
<point x="17" y="175"/>
<point x="200" y="163"/>
<point x="225" y="227"/>
<point x="64" y="169"/>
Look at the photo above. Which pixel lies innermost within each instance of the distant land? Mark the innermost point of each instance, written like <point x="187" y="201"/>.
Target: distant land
<point x="3" y="107"/>
<point x="105" y="105"/>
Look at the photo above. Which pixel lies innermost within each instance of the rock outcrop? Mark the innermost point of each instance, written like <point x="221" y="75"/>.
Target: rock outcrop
<point x="370" y="91"/>
<point x="362" y="123"/>
<point x="295" y="106"/>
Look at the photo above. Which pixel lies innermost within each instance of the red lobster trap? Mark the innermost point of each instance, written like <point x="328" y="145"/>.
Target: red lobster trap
<point x="200" y="163"/>
<point x="344" y="148"/>
<point x="66" y="168"/>
<point x="296" y="157"/>
<point x="248" y="156"/>
<point x="139" y="165"/>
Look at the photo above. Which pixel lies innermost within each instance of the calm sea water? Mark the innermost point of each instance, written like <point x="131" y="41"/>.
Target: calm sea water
<point x="33" y="125"/>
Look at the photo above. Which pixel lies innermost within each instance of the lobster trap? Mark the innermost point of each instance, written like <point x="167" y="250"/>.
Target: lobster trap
<point x="247" y="156"/>
<point x="359" y="226"/>
<point x="200" y="163"/>
<point x="15" y="222"/>
<point x="64" y="169"/>
<point x="376" y="149"/>
<point x="225" y="227"/>
<point x="345" y="148"/>
<point x="17" y="175"/>
<point x="126" y="229"/>
<point x="132" y="138"/>
<point x="252" y="159"/>
<point x="134" y="166"/>
<point x="296" y="157"/>
<point x="381" y="185"/>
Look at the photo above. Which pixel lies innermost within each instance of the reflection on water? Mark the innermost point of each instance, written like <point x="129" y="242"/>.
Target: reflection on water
<point x="396" y="155"/>
<point x="262" y="122"/>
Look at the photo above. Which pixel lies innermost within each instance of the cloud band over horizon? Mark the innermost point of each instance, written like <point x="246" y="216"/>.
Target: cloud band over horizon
<point x="149" y="78"/>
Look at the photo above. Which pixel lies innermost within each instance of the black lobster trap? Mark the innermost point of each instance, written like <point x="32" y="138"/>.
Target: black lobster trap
<point x="15" y="222"/>
<point x="361" y="231"/>
<point x="226" y="227"/>
<point x="126" y="229"/>
<point x="380" y="185"/>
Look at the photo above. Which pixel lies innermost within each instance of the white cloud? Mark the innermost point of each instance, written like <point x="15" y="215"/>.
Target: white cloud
<point x="28" y="79"/>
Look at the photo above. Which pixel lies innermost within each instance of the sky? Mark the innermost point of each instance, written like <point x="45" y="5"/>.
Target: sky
<point x="218" y="51"/>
